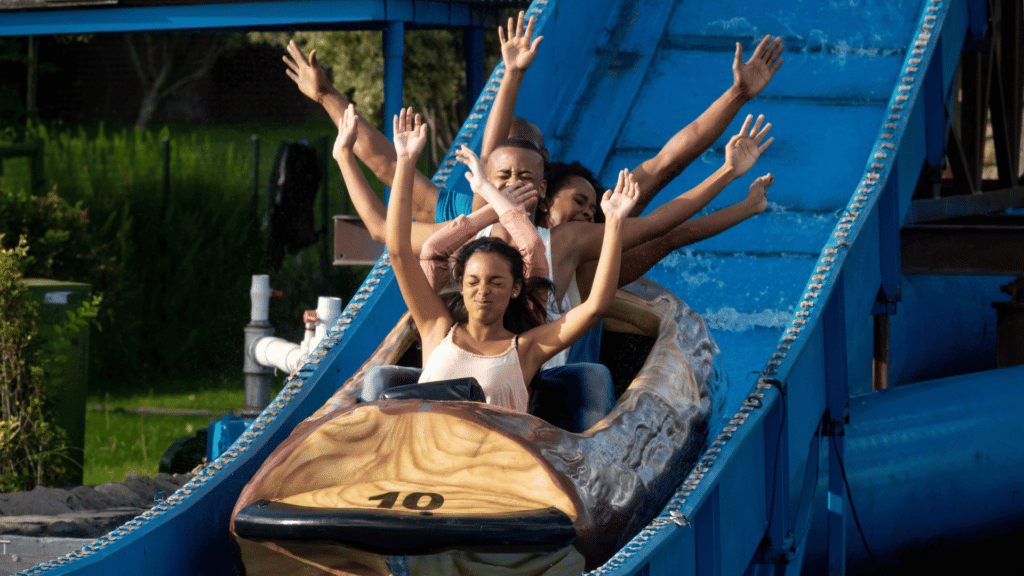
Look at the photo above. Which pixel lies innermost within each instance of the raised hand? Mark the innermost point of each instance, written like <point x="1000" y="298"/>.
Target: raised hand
<point x="618" y="203"/>
<point x="410" y="134"/>
<point x="476" y="174"/>
<point x="745" y="148"/>
<point x="307" y="74"/>
<point x="753" y="75"/>
<point x="757" y="196"/>
<point x="348" y="131"/>
<point x="517" y="51"/>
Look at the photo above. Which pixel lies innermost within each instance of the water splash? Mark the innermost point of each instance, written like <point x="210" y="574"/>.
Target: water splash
<point x="730" y="319"/>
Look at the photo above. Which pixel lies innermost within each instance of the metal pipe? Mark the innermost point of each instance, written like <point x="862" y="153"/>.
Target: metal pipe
<point x="258" y="377"/>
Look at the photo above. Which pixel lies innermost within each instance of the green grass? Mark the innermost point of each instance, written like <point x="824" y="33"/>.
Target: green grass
<point x="119" y="441"/>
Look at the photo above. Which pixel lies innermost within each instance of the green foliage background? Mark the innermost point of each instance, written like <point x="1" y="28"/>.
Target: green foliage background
<point x="174" y="265"/>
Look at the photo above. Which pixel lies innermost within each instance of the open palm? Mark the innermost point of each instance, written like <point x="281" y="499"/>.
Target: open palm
<point x="745" y="148"/>
<point x="517" y="50"/>
<point x="753" y="75"/>
<point x="617" y="204"/>
<point x="410" y="134"/>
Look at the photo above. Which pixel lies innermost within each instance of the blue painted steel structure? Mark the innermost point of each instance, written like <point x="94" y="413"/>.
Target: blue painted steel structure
<point x="858" y="110"/>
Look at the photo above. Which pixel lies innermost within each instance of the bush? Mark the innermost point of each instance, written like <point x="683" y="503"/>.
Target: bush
<point x="32" y="450"/>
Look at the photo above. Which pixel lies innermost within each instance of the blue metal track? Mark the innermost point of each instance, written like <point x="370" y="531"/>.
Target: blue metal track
<point x="789" y="295"/>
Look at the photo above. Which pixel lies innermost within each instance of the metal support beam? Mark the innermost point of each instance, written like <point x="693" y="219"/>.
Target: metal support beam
<point x="394" y="51"/>
<point x="889" y="263"/>
<point x="280" y="14"/>
<point x="936" y="122"/>
<point x="889" y="244"/>
<point x="1005" y="92"/>
<point x="970" y="250"/>
<point x="974" y="83"/>
<point x="935" y="209"/>
<point x="837" y="401"/>
<point x="474" y="47"/>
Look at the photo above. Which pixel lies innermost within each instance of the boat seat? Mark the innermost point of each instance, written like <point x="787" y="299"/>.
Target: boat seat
<point x="456" y="389"/>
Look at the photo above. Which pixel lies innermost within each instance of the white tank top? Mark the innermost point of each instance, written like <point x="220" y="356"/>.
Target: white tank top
<point x="501" y="376"/>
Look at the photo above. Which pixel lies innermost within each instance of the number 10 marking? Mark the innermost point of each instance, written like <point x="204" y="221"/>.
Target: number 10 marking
<point x="412" y="501"/>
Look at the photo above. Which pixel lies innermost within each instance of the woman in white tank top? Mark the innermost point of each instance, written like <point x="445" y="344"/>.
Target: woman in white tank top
<point x="490" y="278"/>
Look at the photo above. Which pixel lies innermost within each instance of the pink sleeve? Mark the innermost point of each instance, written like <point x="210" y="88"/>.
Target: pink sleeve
<point x="439" y="248"/>
<point x="525" y="239"/>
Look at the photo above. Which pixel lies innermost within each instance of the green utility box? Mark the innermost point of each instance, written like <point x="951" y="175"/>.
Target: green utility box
<point x="55" y="299"/>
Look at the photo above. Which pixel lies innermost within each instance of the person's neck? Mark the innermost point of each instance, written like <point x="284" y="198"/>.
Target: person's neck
<point x="486" y="332"/>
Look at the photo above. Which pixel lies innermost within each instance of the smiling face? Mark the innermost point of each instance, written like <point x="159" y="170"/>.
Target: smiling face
<point x="487" y="286"/>
<point x="509" y="163"/>
<point x="575" y="200"/>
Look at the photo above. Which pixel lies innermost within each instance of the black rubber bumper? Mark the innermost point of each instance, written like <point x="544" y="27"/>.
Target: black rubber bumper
<point x="395" y="533"/>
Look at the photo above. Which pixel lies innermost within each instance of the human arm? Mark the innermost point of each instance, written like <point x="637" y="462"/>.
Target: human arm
<point x="446" y="241"/>
<point x="573" y="242"/>
<point x="428" y="311"/>
<point x="371" y="146"/>
<point x="639" y="260"/>
<point x="543" y="342"/>
<point x="371" y="210"/>
<point x="517" y="52"/>
<point x="749" y="78"/>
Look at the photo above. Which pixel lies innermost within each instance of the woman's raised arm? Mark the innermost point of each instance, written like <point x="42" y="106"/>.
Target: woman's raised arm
<point x="431" y="317"/>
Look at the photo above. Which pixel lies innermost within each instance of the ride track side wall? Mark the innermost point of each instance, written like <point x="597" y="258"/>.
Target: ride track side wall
<point x="753" y="458"/>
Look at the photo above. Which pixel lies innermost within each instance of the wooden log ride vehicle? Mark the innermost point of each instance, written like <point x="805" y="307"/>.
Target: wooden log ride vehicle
<point x="457" y="487"/>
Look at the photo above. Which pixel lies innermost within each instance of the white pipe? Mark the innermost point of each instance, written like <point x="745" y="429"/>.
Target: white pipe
<point x="260" y="294"/>
<point x="279" y="353"/>
<point x="284" y="355"/>
<point x="328" y="308"/>
<point x="307" y="339"/>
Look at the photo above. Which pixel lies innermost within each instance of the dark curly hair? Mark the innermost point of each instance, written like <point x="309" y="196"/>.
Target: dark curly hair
<point x="556" y="173"/>
<point x="524" y="312"/>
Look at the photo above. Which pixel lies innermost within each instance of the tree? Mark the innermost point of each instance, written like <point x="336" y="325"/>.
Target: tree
<point x="169" y="63"/>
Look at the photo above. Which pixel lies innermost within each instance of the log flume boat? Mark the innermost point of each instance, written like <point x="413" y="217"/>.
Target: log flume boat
<point x="420" y="487"/>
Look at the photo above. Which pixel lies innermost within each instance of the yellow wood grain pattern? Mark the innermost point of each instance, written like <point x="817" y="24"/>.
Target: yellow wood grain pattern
<point x="366" y="453"/>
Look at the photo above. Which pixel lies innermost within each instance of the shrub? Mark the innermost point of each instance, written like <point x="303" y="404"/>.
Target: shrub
<point x="32" y="450"/>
